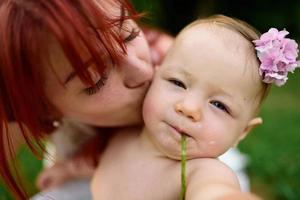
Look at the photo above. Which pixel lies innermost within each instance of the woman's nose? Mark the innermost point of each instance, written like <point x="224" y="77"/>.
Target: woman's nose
<point x="189" y="110"/>
<point x="136" y="71"/>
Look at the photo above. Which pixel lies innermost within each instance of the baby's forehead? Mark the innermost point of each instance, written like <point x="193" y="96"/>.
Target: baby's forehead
<point x="210" y="36"/>
<point x="231" y="38"/>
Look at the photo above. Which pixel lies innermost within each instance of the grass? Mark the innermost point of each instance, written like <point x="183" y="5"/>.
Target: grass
<point x="274" y="147"/>
<point x="30" y="167"/>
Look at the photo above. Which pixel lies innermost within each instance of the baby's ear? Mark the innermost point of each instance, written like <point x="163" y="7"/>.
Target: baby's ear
<point x="252" y="123"/>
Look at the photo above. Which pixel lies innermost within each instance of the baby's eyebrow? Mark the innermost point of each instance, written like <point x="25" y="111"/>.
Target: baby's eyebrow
<point x="180" y="70"/>
<point x="186" y="73"/>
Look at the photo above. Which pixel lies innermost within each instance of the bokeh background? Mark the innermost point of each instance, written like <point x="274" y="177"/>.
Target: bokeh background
<point x="273" y="148"/>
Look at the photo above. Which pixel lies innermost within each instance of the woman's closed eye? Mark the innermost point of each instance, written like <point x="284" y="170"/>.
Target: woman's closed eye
<point x="97" y="86"/>
<point x="220" y="106"/>
<point x="177" y="83"/>
<point x="133" y="34"/>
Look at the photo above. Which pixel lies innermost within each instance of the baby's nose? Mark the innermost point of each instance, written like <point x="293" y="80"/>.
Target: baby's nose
<point x="189" y="111"/>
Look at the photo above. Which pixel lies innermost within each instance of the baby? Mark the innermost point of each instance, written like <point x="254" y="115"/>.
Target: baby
<point x="209" y="88"/>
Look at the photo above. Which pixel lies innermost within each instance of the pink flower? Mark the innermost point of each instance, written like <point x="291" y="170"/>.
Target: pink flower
<point x="277" y="55"/>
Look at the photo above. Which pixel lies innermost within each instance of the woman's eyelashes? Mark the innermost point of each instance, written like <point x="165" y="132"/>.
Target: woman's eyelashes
<point x="220" y="106"/>
<point x="97" y="86"/>
<point x="177" y="82"/>
<point x="133" y="34"/>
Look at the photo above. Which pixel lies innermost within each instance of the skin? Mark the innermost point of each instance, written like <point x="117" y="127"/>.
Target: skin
<point x="119" y="100"/>
<point x="210" y="104"/>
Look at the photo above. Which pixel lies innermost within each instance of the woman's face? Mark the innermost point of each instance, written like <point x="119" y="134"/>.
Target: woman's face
<point x="116" y="99"/>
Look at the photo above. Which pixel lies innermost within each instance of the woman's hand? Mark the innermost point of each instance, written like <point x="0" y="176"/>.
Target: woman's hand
<point x="159" y="43"/>
<point x="62" y="172"/>
<point x="54" y="176"/>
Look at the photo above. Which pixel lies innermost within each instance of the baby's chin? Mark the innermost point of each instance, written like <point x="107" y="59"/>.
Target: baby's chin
<point x="177" y="156"/>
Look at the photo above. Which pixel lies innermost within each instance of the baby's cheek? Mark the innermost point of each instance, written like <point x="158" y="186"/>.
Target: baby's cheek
<point x="216" y="139"/>
<point x="149" y="109"/>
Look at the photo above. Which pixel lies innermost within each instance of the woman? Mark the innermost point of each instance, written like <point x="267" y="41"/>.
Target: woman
<point x="77" y="60"/>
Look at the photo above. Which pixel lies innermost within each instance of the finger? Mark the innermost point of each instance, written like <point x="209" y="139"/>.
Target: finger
<point x="43" y="181"/>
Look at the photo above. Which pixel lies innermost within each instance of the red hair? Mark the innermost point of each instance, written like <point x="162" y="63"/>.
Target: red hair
<point x="25" y="26"/>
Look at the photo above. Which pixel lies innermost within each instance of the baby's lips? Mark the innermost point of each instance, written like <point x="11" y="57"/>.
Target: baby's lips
<point x="181" y="131"/>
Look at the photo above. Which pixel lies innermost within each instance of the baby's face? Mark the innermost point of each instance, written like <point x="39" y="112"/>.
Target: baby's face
<point x="206" y="89"/>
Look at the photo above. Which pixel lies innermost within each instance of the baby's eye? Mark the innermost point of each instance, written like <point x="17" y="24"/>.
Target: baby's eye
<point x="220" y="106"/>
<point x="177" y="83"/>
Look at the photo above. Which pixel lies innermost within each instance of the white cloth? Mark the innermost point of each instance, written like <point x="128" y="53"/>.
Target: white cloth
<point x="75" y="190"/>
<point x="237" y="161"/>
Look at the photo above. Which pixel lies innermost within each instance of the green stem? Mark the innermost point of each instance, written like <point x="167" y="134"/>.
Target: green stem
<point x="183" y="167"/>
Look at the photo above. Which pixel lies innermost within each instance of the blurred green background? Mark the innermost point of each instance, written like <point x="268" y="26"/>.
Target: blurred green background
<point x="273" y="148"/>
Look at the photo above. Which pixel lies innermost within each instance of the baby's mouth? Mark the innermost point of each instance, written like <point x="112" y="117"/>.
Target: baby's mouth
<point x="181" y="132"/>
